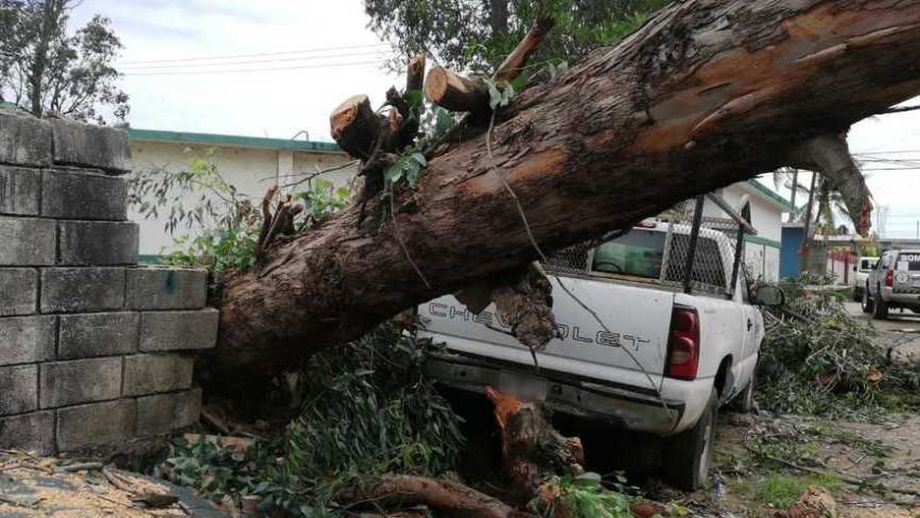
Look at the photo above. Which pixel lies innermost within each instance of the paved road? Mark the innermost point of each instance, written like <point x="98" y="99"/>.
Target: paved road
<point x="900" y="331"/>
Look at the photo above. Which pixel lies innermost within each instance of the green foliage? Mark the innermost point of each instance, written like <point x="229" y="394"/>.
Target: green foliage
<point x="500" y="95"/>
<point x="817" y="359"/>
<point x="322" y="199"/>
<point x="213" y="224"/>
<point x="369" y="409"/>
<point x="475" y="35"/>
<point x="781" y="490"/>
<point x="585" y="496"/>
<point x="45" y="69"/>
<point x="409" y="165"/>
<point x="588" y="496"/>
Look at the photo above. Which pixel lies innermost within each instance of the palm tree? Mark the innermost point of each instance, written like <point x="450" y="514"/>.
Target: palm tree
<point x="830" y="202"/>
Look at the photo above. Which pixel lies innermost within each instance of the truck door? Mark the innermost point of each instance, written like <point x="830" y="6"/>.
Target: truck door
<point x="751" y="332"/>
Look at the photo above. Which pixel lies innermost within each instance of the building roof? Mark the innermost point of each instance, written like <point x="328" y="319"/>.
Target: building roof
<point x="213" y="139"/>
<point x="769" y="193"/>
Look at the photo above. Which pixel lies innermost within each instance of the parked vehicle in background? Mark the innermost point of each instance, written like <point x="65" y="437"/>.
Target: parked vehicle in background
<point x="665" y="359"/>
<point x="861" y="270"/>
<point x="893" y="284"/>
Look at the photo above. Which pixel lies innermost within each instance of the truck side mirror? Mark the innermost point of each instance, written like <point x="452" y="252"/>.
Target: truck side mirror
<point x="770" y="296"/>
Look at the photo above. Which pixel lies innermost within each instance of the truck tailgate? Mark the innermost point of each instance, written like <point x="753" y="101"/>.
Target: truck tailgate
<point x="637" y="318"/>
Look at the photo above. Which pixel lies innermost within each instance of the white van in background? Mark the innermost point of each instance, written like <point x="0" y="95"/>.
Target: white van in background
<point x="864" y="265"/>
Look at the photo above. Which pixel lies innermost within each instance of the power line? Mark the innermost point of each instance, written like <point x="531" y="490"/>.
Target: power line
<point x="245" y="70"/>
<point x="257" y="54"/>
<point x="144" y="68"/>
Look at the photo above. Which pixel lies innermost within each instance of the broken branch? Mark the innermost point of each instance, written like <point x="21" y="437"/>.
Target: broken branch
<point x="355" y="127"/>
<point x="514" y="64"/>
<point x="829" y="155"/>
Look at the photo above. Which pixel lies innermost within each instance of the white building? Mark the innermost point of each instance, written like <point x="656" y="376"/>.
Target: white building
<point x="762" y="252"/>
<point x="253" y="164"/>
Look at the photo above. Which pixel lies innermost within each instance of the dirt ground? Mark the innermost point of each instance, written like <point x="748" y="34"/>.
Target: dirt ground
<point x="33" y="486"/>
<point x="885" y="456"/>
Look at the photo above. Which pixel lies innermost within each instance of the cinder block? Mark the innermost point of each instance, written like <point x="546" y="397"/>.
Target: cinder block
<point x="18" y="291"/>
<point x="20" y="191"/>
<point x="18" y="389"/>
<point x="97" y="334"/>
<point x="178" y="330"/>
<point x="91" y="146"/>
<point x="79" y="381"/>
<point x="78" y="194"/>
<point x="26" y="241"/>
<point x="24" y="140"/>
<point x="27" y="339"/>
<point x="151" y="373"/>
<point x="166" y="288"/>
<point x="29" y="432"/>
<point x="66" y="290"/>
<point x="164" y="413"/>
<point x="96" y="424"/>
<point x="92" y="243"/>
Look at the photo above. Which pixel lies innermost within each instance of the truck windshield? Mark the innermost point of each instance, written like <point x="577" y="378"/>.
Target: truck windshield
<point x="908" y="262"/>
<point x="867" y="264"/>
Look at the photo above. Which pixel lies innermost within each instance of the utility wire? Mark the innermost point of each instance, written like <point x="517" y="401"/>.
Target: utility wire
<point x="257" y="54"/>
<point x="245" y="70"/>
<point x="144" y="68"/>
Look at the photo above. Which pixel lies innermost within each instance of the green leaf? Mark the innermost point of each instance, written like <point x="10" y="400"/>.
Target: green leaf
<point x="444" y="121"/>
<point x="414" y="98"/>
<point x="420" y="158"/>
<point x="495" y="95"/>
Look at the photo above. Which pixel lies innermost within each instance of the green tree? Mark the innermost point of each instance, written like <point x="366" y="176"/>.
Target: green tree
<point x="45" y="69"/>
<point x="477" y="34"/>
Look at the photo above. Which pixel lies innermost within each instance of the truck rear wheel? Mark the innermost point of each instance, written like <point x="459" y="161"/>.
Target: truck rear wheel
<point x="867" y="305"/>
<point x="880" y="309"/>
<point x="689" y="453"/>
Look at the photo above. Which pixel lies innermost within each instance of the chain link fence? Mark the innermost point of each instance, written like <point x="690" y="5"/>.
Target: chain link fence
<point x="666" y="252"/>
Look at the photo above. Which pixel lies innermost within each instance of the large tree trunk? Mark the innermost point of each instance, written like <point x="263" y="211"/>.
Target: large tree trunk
<point x="708" y="93"/>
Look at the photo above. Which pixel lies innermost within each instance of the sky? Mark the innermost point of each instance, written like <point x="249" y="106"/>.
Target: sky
<point x="189" y="65"/>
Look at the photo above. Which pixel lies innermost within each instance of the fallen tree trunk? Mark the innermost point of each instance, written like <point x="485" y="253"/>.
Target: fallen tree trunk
<point x="707" y="93"/>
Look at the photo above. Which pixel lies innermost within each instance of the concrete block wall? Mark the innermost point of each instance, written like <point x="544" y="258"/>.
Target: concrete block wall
<point x="94" y="350"/>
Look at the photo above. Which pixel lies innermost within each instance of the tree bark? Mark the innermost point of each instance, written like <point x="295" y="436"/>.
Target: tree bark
<point x="707" y="93"/>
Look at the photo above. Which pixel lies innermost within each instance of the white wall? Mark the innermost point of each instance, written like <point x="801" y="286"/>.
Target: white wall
<point x="251" y="170"/>
<point x="766" y="216"/>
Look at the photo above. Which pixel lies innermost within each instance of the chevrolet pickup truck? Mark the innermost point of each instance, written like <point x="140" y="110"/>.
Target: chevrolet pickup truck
<point x="894" y="283"/>
<point x="659" y="358"/>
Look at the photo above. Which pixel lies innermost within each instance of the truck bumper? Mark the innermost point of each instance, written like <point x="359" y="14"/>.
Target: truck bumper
<point x="623" y="406"/>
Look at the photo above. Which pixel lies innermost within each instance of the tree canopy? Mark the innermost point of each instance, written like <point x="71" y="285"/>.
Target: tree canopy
<point x="477" y="34"/>
<point x="44" y="68"/>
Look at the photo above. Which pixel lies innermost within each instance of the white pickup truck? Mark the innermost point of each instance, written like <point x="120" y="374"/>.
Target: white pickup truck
<point x="663" y="360"/>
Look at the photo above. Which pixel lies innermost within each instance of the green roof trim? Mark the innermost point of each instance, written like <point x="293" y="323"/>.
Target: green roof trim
<point x="770" y="193"/>
<point x="231" y="140"/>
<point x="757" y="240"/>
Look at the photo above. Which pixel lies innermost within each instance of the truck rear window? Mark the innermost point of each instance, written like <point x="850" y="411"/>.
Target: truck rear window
<point x="639" y="253"/>
<point x="867" y="264"/>
<point x="908" y="262"/>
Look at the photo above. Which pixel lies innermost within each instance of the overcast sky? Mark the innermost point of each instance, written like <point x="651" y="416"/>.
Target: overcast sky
<point x="320" y="52"/>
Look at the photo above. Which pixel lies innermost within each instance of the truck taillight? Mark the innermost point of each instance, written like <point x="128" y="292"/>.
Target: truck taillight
<point x="889" y="278"/>
<point x="683" y="344"/>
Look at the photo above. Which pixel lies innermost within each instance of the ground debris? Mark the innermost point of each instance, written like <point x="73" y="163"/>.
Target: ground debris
<point x="31" y="485"/>
<point x="815" y="502"/>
